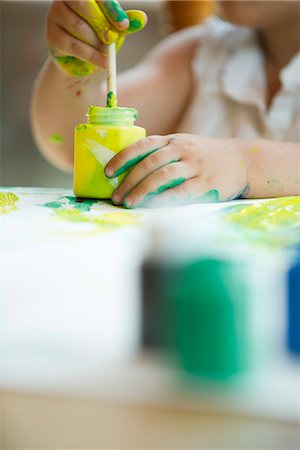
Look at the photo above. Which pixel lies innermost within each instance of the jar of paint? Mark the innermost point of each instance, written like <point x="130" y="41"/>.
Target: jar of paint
<point x="107" y="132"/>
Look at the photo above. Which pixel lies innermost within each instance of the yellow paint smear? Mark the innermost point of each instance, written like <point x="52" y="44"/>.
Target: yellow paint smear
<point x="103" y="222"/>
<point x="276" y="220"/>
<point x="8" y="202"/>
<point x="254" y="150"/>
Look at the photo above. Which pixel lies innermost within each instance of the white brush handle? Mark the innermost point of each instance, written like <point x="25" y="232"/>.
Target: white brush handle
<point x="112" y="69"/>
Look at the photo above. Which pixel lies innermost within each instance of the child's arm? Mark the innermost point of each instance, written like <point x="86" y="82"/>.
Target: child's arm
<point x="183" y="168"/>
<point x="158" y="88"/>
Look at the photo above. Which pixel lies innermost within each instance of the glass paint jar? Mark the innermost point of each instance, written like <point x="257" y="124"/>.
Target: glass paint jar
<point x="108" y="131"/>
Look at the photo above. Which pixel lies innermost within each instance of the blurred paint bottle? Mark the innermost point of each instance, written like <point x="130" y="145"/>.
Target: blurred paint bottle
<point x="195" y="306"/>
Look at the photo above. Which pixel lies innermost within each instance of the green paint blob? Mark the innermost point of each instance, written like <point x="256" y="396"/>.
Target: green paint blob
<point x="211" y="196"/>
<point x="82" y="205"/>
<point x="132" y="162"/>
<point x="111" y="101"/>
<point x="56" y="139"/>
<point x="8" y="202"/>
<point x="276" y="221"/>
<point x="135" y="25"/>
<point x="74" y="66"/>
<point x="114" y="10"/>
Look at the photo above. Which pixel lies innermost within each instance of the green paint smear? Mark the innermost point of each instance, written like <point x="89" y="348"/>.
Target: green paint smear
<point x="132" y="162"/>
<point x="135" y="25"/>
<point x="67" y="201"/>
<point x="111" y="101"/>
<point x="103" y="222"/>
<point x="169" y="185"/>
<point x="74" y="66"/>
<point x="8" y="202"/>
<point x="115" y="10"/>
<point x="275" y="222"/>
<point x="56" y="139"/>
<point x="211" y="196"/>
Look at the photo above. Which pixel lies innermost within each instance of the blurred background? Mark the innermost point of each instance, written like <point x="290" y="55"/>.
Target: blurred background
<point x="23" y="52"/>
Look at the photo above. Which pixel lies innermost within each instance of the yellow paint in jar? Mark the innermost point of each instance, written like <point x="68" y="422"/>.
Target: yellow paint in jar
<point x="108" y="131"/>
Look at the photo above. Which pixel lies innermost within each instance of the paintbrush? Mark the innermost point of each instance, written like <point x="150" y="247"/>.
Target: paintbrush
<point x="111" y="79"/>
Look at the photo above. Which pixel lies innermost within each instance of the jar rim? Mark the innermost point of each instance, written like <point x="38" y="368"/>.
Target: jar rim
<point x="97" y="114"/>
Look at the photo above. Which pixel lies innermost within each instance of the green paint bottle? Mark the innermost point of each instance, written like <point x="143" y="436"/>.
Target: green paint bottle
<point x="196" y="301"/>
<point x="108" y="131"/>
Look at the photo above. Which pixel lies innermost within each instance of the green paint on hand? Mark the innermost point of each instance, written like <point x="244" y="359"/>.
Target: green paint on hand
<point x="170" y="184"/>
<point x="135" y="25"/>
<point x="211" y="196"/>
<point x="74" y="66"/>
<point x="8" y="202"/>
<point x="111" y="101"/>
<point x="56" y="139"/>
<point x="132" y="162"/>
<point x="114" y="10"/>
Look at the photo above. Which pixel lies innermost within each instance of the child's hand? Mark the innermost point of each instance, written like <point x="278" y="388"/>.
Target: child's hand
<point x="179" y="169"/>
<point x="77" y="32"/>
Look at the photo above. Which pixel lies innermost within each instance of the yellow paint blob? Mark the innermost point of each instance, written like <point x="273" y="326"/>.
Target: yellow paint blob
<point x="103" y="222"/>
<point x="8" y="202"/>
<point x="254" y="150"/>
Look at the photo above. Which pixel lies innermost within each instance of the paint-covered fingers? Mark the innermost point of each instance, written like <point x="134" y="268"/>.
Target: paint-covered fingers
<point x="162" y="179"/>
<point x="62" y="14"/>
<point x="137" y="21"/>
<point x="93" y="14"/>
<point x="133" y="154"/>
<point x="129" y="21"/>
<point x="148" y="165"/>
<point x="186" y="193"/>
<point x="114" y="13"/>
<point x="72" y="42"/>
<point x="74" y="56"/>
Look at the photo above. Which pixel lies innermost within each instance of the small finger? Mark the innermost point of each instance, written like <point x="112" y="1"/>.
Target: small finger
<point x="137" y="21"/>
<point x="166" y="177"/>
<point x="133" y="154"/>
<point x="67" y="19"/>
<point x="114" y="13"/>
<point x="152" y="162"/>
<point x="90" y="11"/>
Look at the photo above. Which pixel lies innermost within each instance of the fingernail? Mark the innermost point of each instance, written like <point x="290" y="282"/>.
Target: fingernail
<point x="109" y="172"/>
<point x="128" y="202"/>
<point x="116" y="199"/>
<point x="123" y="24"/>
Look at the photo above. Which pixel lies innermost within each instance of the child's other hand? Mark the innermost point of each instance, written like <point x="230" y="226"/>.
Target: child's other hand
<point x="179" y="169"/>
<point x="77" y="32"/>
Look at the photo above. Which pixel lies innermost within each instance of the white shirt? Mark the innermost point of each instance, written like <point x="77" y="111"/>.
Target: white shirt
<point x="229" y="99"/>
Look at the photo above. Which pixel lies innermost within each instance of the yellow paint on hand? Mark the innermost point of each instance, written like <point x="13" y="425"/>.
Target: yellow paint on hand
<point x="8" y="202"/>
<point x="254" y="150"/>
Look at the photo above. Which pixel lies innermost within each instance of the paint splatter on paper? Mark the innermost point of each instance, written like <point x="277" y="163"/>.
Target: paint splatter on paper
<point x="276" y="221"/>
<point x="103" y="222"/>
<point x="68" y="202"/>
<point x="56" y="138"/>
<point x="8" y="202"/>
